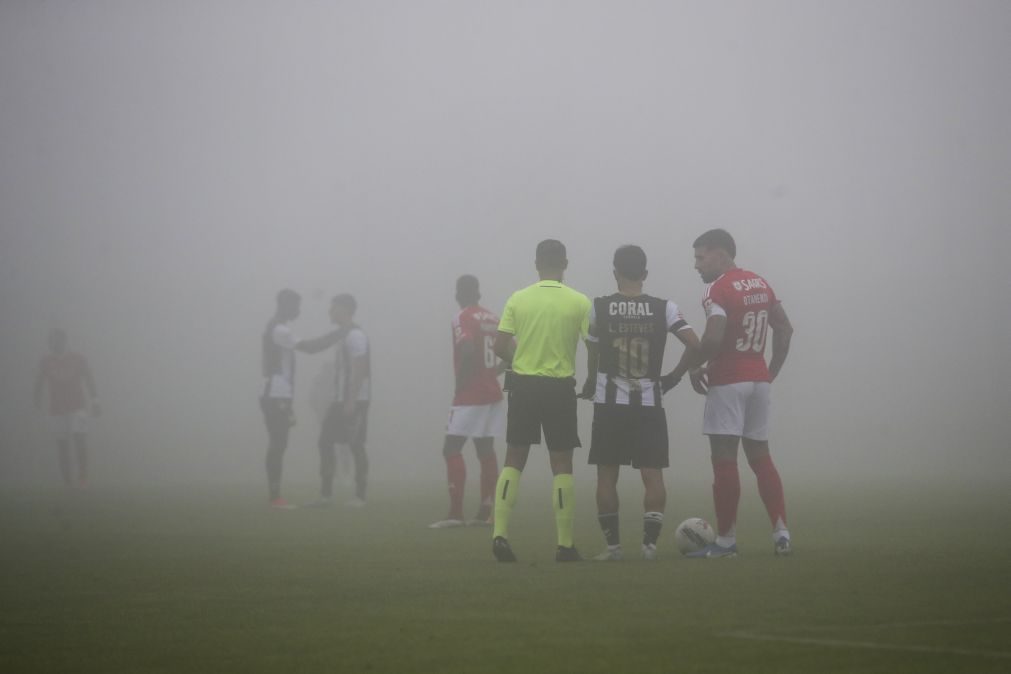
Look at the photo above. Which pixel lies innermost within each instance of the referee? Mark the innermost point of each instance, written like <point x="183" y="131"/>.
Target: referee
<point x="538" y="333"/>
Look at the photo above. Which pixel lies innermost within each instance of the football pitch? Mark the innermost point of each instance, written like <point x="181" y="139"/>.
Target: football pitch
<point x="884" y="578"/>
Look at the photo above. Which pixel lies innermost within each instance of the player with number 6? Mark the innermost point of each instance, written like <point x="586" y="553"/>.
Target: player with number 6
<point x="478" y="409"/>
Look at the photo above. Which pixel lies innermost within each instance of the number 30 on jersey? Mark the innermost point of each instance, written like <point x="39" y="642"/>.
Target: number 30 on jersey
<point x="754" y="325"/>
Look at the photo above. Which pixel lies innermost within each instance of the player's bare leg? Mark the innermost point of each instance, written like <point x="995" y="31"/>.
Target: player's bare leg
<point x="770" y="488"/>
<point x="506" y="491"/>
<point x="456" y="478"/>
<point x="654" y="502"/>
<point x="485" y="448"/>
<point x="81" y="446"/>
<point x="607" y="512"/>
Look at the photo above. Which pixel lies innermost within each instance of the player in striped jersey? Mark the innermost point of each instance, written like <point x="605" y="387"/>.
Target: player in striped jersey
<point x="628" y="334"/>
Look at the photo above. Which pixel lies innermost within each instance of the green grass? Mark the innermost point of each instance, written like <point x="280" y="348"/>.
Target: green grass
<point x="884" y="579"/>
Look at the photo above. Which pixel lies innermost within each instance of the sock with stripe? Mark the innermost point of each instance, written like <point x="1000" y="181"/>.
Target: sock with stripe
<point x="770" y="488"/>
<point x="456" y="475"/>
<point x="505" y="498"/>
<point x="609" y="525"/>
<point x="652" y="522"/>
<point x="564" y="504"/>
<point x="726" y="494"/>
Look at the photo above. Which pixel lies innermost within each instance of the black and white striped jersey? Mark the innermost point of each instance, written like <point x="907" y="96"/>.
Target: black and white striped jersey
<point x="631" y="334"/>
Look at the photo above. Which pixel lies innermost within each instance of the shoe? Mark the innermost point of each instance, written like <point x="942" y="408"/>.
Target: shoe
<point x="321" y="502"/>
<point x="564" y="554"/>
<point x="280" y="504"/>
<point x="500" y="548"/>
<point x="446" y="524"/>
<point x="782" y="547"/>
<point x="483" y="518"/>
<point x="356" y="503"/>
<point x="713" y="550"/>
<point x="649" y="552"/>
<point x="610" y="555"/>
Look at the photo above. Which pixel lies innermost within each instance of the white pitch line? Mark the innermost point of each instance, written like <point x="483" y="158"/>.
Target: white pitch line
<point x="868" y="645"/>
<point x="919" y="623"/>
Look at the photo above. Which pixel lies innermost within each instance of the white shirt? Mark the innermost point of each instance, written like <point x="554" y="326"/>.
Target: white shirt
<point x="355" y="344"/>
<point x="282" y="384"/>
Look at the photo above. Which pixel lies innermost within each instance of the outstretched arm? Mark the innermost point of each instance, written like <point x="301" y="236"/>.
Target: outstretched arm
<point x="782" y="333"/>
<point x="318" y="344"/>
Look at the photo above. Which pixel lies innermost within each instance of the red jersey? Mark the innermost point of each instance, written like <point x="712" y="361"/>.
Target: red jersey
<point x="65" y="374"/>
<point x="745" y="298"/>
<point x="477" y="326"/>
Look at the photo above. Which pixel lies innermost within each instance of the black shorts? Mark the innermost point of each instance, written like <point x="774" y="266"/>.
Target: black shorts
<point x="342" y="428"/>
<point x="548" y="402"/>
<point x="627" y="434"/>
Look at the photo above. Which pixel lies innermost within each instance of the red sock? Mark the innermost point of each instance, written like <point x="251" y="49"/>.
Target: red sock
<point x="489" y="477"/>
<point x="456" y="473"/>
<point x="726" y="494"/>
<point x="770" y="488"/>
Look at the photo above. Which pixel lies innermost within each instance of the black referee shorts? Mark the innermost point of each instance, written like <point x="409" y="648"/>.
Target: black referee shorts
<point x="543" y="402"/>
<point x="629" y="434"/>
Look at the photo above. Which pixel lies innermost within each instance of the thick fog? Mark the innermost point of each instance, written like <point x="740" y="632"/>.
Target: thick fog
<point x="167" y="167"/>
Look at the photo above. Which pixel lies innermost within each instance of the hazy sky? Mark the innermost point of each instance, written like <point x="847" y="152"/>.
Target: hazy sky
<point x="166" y="167"/>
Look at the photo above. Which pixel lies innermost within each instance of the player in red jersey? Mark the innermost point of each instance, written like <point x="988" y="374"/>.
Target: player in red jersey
<point x="740" y="307"/>
<point x="478" y="409"/>
<point x="67" y="375"/>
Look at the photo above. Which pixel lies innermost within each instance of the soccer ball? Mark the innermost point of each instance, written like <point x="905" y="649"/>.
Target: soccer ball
<point x="693" y="534"/>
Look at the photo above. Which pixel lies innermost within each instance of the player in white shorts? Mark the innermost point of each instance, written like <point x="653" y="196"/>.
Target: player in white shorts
<point x="740" y="306"/>
<point x="71" y="388"/>
<point x="478" y="410"/>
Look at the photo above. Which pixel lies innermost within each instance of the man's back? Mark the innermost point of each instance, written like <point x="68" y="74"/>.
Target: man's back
<point x="547" y="319"/>
<point x="65" y="373"/>
<point x="745" y="298"/>
<point x="476" y="325"/>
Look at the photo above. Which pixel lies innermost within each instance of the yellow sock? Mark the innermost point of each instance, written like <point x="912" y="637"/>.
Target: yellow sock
<point x="505" y="498"/>
<point x="562" y="499"/>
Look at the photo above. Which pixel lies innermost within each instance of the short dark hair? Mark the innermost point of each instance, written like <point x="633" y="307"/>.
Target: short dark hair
<point x="717" y="238"/>
<point x="468" y="287"/>
<point x="287" y="298"/>
<point x="551" y="254"/>
<point x="346" y="300"/>
<point x="630" y="262"/>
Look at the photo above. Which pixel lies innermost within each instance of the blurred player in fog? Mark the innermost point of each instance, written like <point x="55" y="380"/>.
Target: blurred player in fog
<point x="71" y="394"/>
<point x="740" y="308"/>
<point x="478" y="409"/>
<point x="346" y="421"/>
